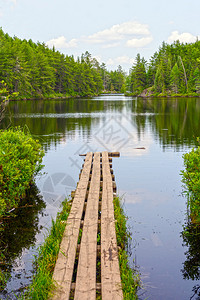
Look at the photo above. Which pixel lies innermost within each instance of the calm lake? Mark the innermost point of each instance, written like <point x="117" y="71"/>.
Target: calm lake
<point x="152" y="135"/>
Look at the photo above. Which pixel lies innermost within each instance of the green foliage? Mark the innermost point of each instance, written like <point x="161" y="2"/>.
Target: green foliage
<point x="174" y="69"/>
<point x="20" y="160"/>
<point x="3" y="91"/>
<point x="129" y="276"/>
<point x="191" y="179"/>
<point x="4" y="276"/>
<point x="113" y="81"/>
<point x="174" y="79"/>
<point x="117" y="80"/>
<point x="138" y="75"/>
<point x="121" y="231"/>
<point x="3" y="280"/>
<point x="43" y="284"/>
<point x="33" y="70"/>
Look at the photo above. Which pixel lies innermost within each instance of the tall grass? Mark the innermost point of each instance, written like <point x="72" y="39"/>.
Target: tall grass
<point x="129" y="276"/>
<point x="42" y="283"/>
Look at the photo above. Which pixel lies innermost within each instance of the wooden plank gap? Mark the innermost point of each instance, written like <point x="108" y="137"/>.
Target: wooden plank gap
<point x="98" y="286"/>
<point x="64" y="267"/>
<point x="110" y="273"/>
<point x="86" y="272"/>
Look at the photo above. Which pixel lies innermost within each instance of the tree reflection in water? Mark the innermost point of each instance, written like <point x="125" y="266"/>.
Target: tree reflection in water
<point x="191" y="266"/>
<point x="18" y="230"/>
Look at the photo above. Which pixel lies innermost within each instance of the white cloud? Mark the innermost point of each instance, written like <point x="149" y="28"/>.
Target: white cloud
<point x="184" y="37"/>
<point x="12" y="1"/>
<point x="119" y="32"/>
<point x="110" y="62"/>
<point x="112" y="45"/>
<point x="132" y="33"/>
<point x="138" y="43"/>
<point x="61" y="42"/>
<point x="120" y="60"/>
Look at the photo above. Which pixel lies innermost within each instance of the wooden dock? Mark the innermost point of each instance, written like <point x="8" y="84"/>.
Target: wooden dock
<point x="87" y="264"/>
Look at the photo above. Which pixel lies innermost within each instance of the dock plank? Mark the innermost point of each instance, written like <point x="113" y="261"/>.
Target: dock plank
<point x="65" y="263"/>
<point x="86" y="273"/>
<point x="110" y="273"/>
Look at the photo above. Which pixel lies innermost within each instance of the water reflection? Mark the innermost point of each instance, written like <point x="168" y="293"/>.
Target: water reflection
<point x="166" y="128"/>
<point x="174" y="122"/>
<point x="18" y="232"/>
<point x="191" y="266"/>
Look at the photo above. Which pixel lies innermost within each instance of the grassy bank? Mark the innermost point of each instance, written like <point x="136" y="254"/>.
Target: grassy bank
<point x="191" y="180"/>
<point x="54" y="96"/>
<point x="20" y="160"/>
<point x="129" y="277"/>
<point x="191" y="228"/>
<point x="43" y="284"/>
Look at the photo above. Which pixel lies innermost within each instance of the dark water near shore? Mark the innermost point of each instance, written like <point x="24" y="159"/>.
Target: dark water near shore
<point x="148" y="178"/>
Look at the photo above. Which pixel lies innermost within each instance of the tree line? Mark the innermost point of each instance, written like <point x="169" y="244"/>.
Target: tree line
<point x="32" y="70"/>
<point x="172" y="70"/>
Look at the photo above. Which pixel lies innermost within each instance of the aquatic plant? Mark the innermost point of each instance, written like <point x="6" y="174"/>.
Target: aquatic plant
<point x="20" y="159"/>
<point x="191" y="180"/>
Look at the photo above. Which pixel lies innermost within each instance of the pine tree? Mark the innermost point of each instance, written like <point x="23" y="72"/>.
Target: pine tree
<point x="175" y="79"/>
<point x="196" y="76"/>
<point x="138" y="75"/>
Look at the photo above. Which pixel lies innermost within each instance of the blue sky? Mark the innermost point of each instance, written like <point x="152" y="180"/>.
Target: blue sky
<point x="112" y="31"/>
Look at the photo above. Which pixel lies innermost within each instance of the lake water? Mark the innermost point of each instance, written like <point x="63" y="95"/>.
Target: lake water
<point x="151" y="135"/>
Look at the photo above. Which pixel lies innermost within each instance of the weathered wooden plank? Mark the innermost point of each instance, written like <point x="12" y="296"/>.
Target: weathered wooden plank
<point x="65" y="263"/>
<point x="86" y="273"/>
<point x="110" y="273"/>
<point x="109" y="158"/>
<point x="114" y="154"/>
<point x="111" y="154"/>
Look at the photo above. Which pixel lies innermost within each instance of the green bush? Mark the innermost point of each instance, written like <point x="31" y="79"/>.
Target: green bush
<point x="191" y="179"/>
<point x="20" y="160"/>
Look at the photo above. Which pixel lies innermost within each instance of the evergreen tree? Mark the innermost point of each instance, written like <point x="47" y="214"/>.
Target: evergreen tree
<point x="196" y="76"/>
<point x="138" y="75"/>
<point x="34" y="70"/>
<point x="175" y="79"/>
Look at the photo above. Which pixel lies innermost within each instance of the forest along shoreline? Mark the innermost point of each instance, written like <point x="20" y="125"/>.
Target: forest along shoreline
<point x="31" y="70"/>
<point x="34" y="71"/>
